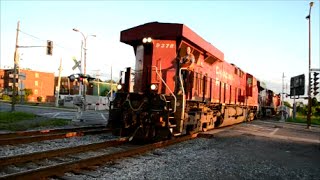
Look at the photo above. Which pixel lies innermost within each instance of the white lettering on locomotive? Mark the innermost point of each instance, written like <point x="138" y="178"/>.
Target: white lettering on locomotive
<point x="164" y="45"/>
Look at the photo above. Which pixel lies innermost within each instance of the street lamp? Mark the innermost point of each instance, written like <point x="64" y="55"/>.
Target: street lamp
<point x="85" y="48"/>
<point x="84" y="59"/>
<point x="309" y="69"/>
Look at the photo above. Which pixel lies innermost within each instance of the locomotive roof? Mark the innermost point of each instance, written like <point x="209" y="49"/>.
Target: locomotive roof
<point x="172" y="31"/>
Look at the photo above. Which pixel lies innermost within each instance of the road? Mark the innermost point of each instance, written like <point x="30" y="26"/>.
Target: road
<point x="88" y="117"/>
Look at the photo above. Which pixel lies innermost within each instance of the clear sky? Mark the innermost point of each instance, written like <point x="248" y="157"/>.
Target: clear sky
<point x="264" y="38"/>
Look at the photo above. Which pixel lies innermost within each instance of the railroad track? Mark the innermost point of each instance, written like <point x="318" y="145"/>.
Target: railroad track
<point x="55" y="163"/>
<point x="50" y="134"/>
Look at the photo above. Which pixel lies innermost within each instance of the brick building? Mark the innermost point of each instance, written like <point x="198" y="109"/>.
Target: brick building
<point x="1" y="81"/>
<point x="41" y="84"/>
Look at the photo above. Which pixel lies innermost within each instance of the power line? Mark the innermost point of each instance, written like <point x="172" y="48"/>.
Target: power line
<point x="55" y="44"/>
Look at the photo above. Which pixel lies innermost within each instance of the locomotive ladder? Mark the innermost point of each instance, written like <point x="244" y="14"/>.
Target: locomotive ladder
<point x="170" y="110"/>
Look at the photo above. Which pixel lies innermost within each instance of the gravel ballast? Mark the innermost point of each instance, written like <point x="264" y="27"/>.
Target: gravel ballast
<point x="228" y="155"/>
<point x="13" y="150"/>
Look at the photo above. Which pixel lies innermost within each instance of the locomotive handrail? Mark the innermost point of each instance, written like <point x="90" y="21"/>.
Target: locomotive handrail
<point x="134" y="109"/>
<point x="183" y="92"/>
<point x="175" y="98"/>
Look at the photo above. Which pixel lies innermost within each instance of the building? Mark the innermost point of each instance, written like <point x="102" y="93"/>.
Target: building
<point x="40" y="83"/>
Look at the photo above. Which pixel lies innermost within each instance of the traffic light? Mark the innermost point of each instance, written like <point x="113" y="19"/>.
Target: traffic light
<point x="49" y="47"/>
<point x="80" y="79"/>
<point x="315" y="83"/>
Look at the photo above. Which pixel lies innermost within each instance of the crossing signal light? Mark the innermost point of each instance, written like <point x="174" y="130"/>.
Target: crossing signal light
<point x="315" y="83"/>
<point x="72" y="78"/>
<point x="49" y="47"/>
<point x="80" y="79"/>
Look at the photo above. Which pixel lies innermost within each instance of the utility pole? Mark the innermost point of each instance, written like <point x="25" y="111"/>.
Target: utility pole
<point x="59" y="81"/>
<point x="282" y="108"/>
<point x="15" y="70"/>
<point x="111" y="83"/>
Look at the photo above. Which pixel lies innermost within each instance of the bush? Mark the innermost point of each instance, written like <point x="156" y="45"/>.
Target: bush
<point x="39" y="99"/>
<point x="6" y="97"/>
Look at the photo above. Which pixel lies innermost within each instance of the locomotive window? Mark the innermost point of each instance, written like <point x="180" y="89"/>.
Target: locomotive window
<point x="183" y="51"/>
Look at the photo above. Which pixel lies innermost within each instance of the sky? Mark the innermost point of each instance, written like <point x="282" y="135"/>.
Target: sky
<point x="264" y="38"/>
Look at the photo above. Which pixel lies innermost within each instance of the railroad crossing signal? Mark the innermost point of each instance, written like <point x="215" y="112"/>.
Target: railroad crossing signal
<point x="80" y="77"/>
<point x="315" y="83"/>
<point x="77" y="64"/>
<point x="49" y="47"/>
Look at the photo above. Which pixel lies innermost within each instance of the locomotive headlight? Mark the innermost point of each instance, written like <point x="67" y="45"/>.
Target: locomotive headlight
<point x="119" y="86"/>
<point x="147" y="40"/>
<point x="153" y="87"/>
<point x="144" y="40"/>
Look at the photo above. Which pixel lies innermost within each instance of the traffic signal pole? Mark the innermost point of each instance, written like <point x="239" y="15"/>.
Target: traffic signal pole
<point x="309" y="69"/>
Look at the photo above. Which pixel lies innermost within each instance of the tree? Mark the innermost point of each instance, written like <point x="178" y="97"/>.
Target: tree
<point x="27" y="93"/>
<point x="314" y="102"/>
<point x="286" y="103"/>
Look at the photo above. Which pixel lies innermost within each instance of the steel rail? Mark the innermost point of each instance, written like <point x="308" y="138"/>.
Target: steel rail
<point x="60" y="169"/>
<point x="29" y="139"/>
<point x="4" y="161"/>
<point x="45" y="131"/>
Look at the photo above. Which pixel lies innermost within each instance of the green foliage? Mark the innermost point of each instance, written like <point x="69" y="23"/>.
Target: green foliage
<point x="39" y="99"/>
<point x="28" y="92"/>
<point x="109" y="81"/>
<point x="300" y="118"/>
<point x="314" y="101"/>
<point x="6" y="97"/>
<point x="286" y="103"/>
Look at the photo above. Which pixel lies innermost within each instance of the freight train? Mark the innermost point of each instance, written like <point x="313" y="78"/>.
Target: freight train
<point x="157" y="101"/>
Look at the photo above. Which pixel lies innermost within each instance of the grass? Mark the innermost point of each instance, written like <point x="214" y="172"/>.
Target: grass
<point x="303" y="119"/>
<point x="21" y="121"/>
<point x="12" y="117"/>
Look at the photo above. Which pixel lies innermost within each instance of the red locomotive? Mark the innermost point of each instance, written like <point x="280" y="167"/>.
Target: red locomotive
<point x="163" y="102"/>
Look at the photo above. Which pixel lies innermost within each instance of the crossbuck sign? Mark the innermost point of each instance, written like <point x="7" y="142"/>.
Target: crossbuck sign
<point x="77" y="64"/>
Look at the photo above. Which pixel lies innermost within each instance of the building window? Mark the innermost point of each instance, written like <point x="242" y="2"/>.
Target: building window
<point x="36" y="91"/>
<point x="36" y="83"/>
<point x="36" y="75"/>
